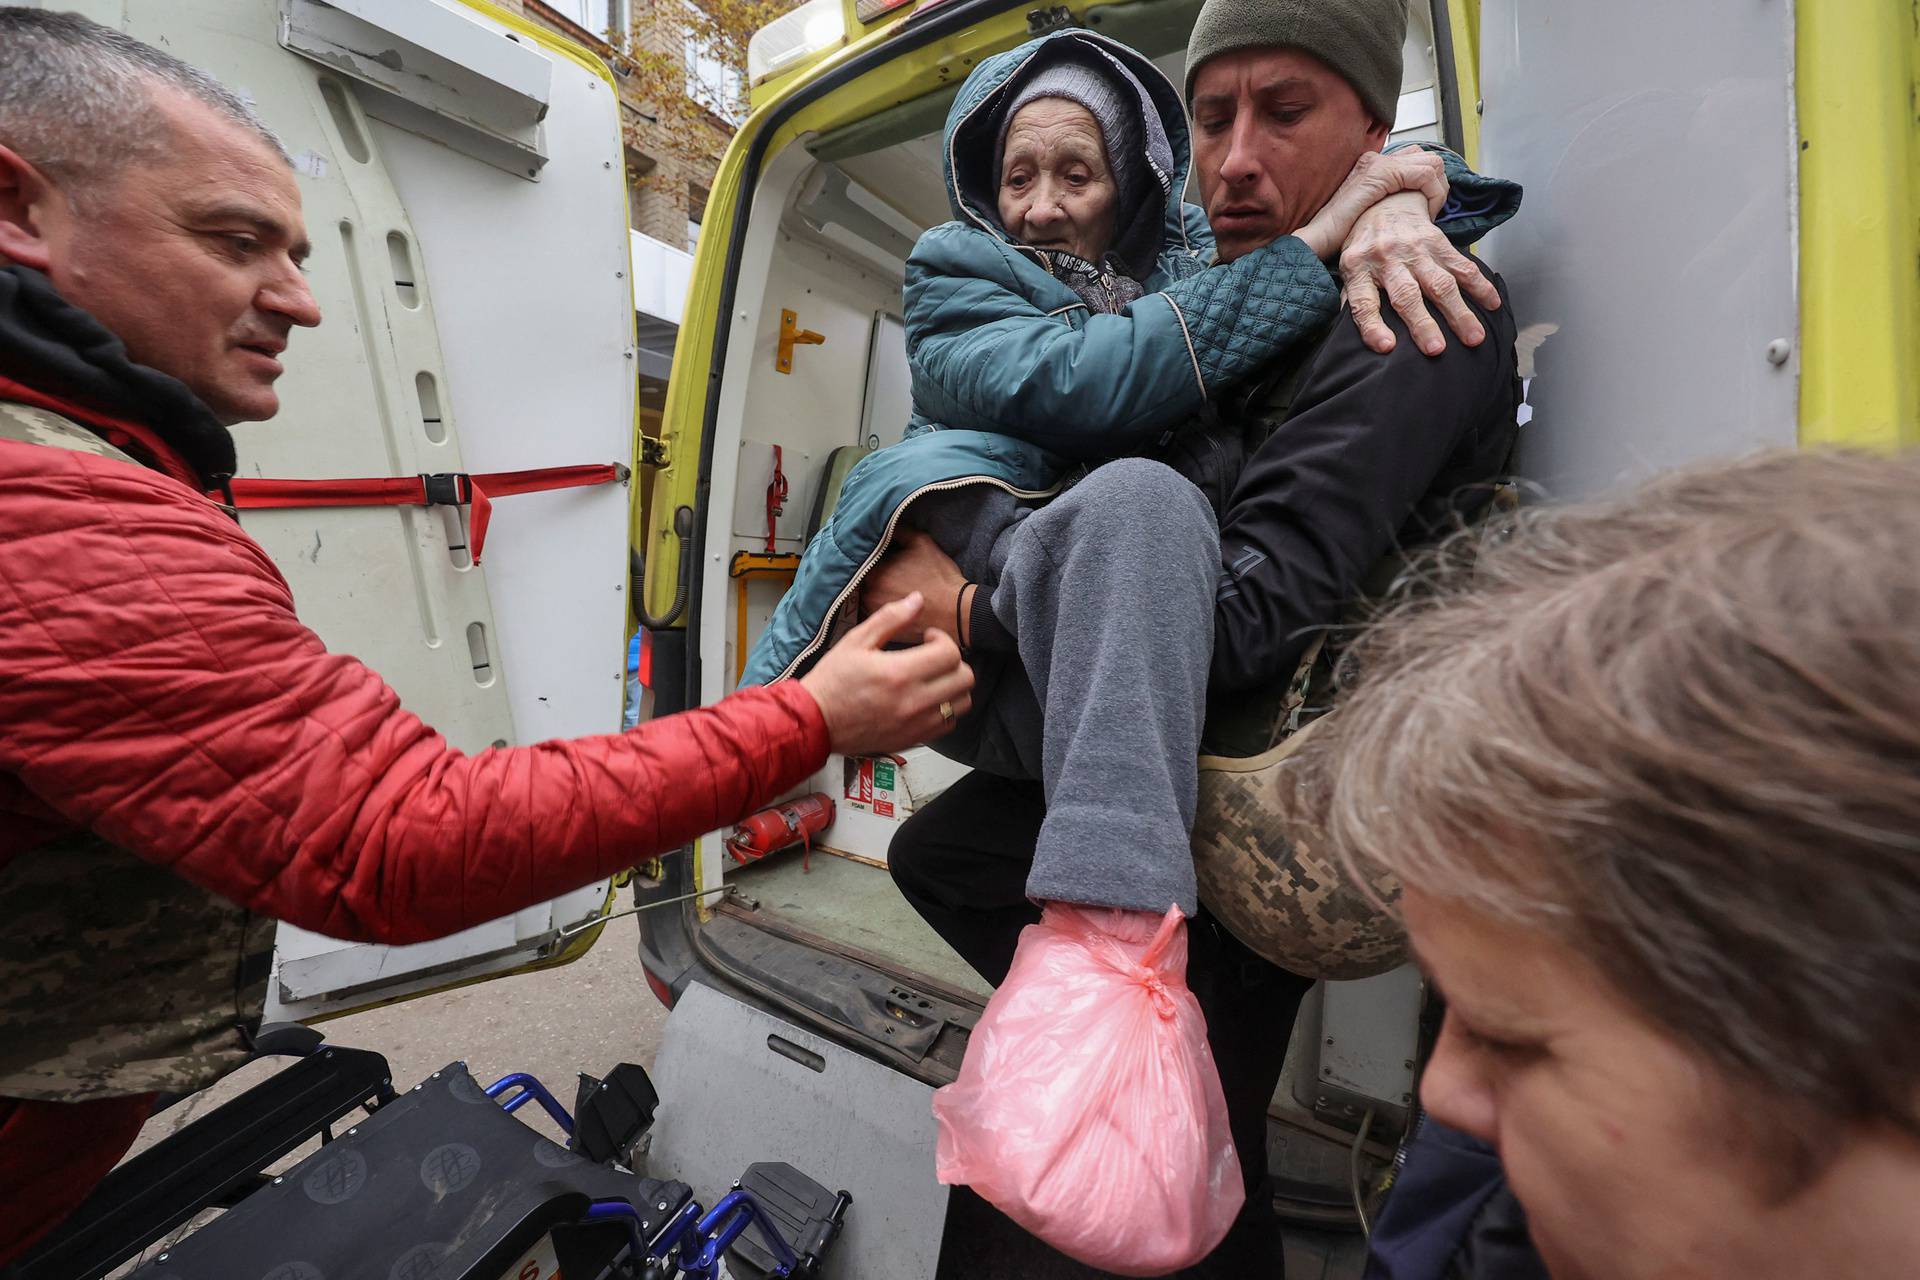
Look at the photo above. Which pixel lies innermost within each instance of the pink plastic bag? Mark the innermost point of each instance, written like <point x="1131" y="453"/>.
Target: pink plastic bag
<point x="1088" y="1108"/>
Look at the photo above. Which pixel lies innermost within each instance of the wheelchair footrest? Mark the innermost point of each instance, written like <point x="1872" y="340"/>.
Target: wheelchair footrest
<point x="808" y="1215"/>
<point x="611" y="1114"/>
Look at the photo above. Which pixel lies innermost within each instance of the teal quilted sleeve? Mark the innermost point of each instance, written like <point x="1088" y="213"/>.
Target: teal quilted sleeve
<point x="1476" y="204"/>
<point x="1238" y="317"/>
<point x="984" y="355"/>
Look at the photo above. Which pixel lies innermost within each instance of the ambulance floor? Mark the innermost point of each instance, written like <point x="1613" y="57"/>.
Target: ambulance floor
<point x="856" y="906"/>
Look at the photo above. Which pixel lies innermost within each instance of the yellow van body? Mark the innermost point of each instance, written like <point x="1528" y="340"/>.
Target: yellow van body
<point x="1719" y="252"/>
<point x="1856" y="90"/>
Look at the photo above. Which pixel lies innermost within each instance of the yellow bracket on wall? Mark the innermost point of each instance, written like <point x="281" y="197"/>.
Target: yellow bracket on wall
<point x="791" y="336"/>
<point x="744" y="566"/>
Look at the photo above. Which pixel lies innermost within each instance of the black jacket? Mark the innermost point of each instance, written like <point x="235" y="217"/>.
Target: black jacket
<point x="1324" y="466"/>
<point x="48" y="343"/>
<point x="1450" y="1216"/>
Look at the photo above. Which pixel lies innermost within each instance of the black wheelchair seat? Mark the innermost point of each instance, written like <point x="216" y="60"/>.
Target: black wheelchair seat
<point x="439" y="1184"/>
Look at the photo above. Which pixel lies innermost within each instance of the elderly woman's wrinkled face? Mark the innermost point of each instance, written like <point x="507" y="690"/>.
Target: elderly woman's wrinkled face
<point x="1056" y="190"/>
<point x="1624" y="1146"/>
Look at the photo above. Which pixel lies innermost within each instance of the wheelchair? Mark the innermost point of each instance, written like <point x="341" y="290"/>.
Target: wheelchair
<point x="441" y="1182"/>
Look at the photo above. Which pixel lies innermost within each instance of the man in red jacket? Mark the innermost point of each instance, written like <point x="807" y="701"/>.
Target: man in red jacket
<point x="181" y="761"/>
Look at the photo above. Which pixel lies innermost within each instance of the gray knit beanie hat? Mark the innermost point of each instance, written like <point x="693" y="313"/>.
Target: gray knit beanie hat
<point x="1361" y="39"/>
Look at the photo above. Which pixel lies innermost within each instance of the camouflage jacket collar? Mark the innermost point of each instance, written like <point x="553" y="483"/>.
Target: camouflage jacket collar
<point x="140" y="443"/>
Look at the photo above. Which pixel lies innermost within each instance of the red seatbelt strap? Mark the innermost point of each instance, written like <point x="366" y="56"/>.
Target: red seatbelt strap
<point x="776" y="496"/>
<point x="450" y="488"/>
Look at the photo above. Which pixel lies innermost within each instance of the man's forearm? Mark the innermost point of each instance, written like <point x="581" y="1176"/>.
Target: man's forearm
<point x="200" y="725"/>
<point x="473" y="838"/>
<point x="985" y="632"/>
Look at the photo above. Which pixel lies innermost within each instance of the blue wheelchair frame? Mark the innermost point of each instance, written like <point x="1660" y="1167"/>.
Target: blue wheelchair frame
<point x="695" y="1239"/>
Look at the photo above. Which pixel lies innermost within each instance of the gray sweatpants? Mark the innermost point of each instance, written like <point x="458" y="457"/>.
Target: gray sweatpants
<point x="1109" y="591"/>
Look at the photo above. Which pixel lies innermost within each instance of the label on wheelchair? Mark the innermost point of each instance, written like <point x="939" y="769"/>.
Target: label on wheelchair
<point x="540" y="1263"/>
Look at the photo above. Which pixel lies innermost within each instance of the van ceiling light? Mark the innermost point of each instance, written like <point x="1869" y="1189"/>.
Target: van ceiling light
<point x="869" y="10"/>
<point x="814" y="27"/>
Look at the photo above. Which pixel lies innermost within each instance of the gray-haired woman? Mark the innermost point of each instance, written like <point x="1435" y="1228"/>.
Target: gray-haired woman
<point x="1648" y="771"/>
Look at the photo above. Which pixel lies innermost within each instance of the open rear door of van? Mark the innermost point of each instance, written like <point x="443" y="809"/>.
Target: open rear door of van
<point x="464" y="186"/>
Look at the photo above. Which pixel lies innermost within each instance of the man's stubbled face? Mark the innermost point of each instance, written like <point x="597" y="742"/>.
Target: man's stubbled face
<point x="193" y="259"/>
<point x="1275" y="131"/>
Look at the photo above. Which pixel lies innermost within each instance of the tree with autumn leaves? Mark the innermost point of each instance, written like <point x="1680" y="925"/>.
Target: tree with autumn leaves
<point x="689" y="66"/>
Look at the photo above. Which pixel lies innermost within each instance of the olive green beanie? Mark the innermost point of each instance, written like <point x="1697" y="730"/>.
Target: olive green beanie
<point x="1360" y="39"/>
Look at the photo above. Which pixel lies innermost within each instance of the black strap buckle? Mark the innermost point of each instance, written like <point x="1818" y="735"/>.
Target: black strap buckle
<point x="446" y="488"/>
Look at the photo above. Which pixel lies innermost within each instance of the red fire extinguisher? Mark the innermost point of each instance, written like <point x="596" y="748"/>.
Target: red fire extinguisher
<point x="792" y="822"/>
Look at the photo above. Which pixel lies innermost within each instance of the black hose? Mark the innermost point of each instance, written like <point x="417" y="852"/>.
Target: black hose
<point x="1354" y="1180"/>
<point x="637" y="571"/>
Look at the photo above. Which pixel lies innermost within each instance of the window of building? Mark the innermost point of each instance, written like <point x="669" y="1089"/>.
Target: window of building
<point x="711" y="82"/>
<point x="607" y="19"/>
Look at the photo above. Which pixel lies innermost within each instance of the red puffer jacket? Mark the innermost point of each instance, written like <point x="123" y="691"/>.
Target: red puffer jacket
<point x="156" y="687"/>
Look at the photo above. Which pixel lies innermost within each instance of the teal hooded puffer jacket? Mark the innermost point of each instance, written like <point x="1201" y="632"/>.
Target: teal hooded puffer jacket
<point x="1014" y="381"/>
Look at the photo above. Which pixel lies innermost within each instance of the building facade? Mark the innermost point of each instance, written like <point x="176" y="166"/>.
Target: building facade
<point x="669" y="182"/>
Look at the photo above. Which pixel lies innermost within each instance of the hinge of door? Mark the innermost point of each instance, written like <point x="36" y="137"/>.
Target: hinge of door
<point x="653" y="452"/>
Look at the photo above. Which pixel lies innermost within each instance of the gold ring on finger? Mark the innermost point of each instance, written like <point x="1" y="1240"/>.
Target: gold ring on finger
<point x="946" y="712"/>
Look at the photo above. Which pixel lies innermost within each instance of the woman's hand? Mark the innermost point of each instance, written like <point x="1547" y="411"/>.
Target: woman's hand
<point x="1375" y="176"/>
<point x="1380" y="222"/>
<point x="1396" y="248"/>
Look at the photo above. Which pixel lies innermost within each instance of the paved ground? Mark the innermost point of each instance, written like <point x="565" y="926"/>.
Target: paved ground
<point x="583" y="1016"/>
<point x="586" y="1015"/>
